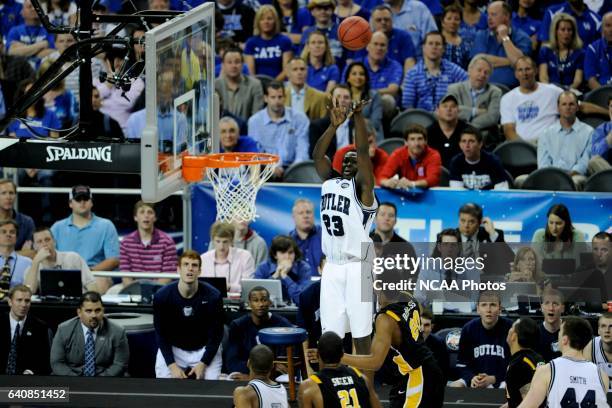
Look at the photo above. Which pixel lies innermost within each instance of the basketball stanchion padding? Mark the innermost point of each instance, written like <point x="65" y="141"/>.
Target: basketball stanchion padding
<point x="287" y="337"/>
<point x="236" y="178"/>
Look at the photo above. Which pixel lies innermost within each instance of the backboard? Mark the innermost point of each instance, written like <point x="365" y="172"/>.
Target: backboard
<point x="180" y="109"/>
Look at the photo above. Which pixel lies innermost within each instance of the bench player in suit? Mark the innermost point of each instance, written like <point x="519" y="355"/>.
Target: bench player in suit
<point x="419" y="380"/>
<point x="569" y="380"/>
<point x="599" y="350"/>
<point x="261" y="391"/>
<point x="348" y="207"/>
<point x="28" y="352"/>
<point x="336" y="385"/>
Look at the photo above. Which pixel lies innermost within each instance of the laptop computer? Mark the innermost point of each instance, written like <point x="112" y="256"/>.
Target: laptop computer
<point x="590" y="297"/>
<point x="218" y="283"/>
<point x="273" y="286"/>
<point x="61" y="283"/>
<point x="514" y="290"/>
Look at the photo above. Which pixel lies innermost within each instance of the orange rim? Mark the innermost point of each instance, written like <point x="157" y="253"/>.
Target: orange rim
<point x="193" y="166"/>
<point x="224" y="160"/>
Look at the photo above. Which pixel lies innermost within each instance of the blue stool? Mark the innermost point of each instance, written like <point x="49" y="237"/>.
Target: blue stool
<point x="287" y="337"/>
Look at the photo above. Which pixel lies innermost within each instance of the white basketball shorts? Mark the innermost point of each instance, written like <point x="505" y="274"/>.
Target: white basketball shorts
<point x="342" y="310"/>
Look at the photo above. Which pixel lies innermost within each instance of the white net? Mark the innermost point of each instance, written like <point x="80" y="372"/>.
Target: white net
<point x="236" y="189"/>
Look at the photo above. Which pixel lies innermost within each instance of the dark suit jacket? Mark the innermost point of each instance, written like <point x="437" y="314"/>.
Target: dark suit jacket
<point x="316" y="130"/>
<point x="68" y="349"/>
<point x="32" y="349"/>
<point x="497" y="255"/>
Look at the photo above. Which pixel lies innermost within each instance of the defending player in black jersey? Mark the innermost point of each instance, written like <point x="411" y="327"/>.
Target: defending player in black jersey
<point x="398" y="327"/>
<point x="336" y="385"/>
<point x="522" y="338"/>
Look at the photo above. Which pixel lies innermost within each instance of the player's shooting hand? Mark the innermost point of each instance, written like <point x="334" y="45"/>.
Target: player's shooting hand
<point x="199" y="370"/>
<point x="357" y="107"/>
<point x="176" y="371"/>
<point x="337" y="113"/>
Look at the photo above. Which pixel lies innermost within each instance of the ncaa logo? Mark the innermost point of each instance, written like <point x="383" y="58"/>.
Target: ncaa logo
<point x="345" y="184"/>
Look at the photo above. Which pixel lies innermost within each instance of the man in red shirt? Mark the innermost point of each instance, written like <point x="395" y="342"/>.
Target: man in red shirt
<point x="415" y="165"/>
<point x="377" y="156"/>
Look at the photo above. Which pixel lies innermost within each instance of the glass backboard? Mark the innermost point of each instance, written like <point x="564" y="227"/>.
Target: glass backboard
<point x="181" y="114"/>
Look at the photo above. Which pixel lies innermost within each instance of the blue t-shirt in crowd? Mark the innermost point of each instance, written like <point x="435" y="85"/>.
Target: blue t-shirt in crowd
<point x="10" y="16"/>
<point x="400" y="47"/>
<point x="39" y="125"/>
<point x="468" y="32"/>
<point x="66" y="108"/>
<point x="434" y="6"/>
<point x="486" y="43"/>
<point x="589" y="23"/>
<point x="318" y="78"/>
<point x="29" y="35"/>
<point x="302" y="19"/>
<point x="268" y="54"/>
<point x="389" y="72"/>
<point x="339" y="53"/>
<point x="561" y="72"/>
<point x="528" y="24"/>
<point x="598" y="62"/>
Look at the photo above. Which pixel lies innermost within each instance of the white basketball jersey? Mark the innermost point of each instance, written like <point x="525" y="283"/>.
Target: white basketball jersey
<point x="599" y="357"/>
<point x="575" y="382"/>
<point x="345" y="221"/>
<point x="270" y="396"/>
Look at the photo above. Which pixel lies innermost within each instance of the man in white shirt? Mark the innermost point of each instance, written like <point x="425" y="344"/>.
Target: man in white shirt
<point x="530" y="108"/>
<point x="47" y="257"/>
<point x="566" y="144"/>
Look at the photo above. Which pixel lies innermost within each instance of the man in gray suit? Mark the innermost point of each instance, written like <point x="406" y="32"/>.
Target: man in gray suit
<point x="90" y="345"/>
<point x="478" y="100"/>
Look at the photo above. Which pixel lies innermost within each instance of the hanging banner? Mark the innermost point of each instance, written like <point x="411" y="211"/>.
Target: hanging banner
<point x="420" y="215"/>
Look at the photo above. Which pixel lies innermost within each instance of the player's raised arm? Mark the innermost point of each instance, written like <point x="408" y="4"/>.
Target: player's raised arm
<point x="365" y="171"/>
<point x="539" y="386"/>
<point x="380" y="346"/>
<point x="337" y="116"/>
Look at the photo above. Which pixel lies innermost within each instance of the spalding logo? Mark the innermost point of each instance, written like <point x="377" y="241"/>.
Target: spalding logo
<point x="55" y="153"/>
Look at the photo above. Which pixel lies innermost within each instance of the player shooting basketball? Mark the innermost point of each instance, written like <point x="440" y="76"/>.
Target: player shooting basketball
<point x="348" y="207"/>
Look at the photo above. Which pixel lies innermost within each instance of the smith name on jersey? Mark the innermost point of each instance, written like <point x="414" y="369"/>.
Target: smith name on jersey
<point x="346" y="221"/>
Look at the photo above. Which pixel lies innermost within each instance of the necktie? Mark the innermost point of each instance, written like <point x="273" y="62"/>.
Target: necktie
<point x="11" y="363"/>
<point x="470" y="251"/>
<point x="5" y="278"/>
<point x="90" y="355"/>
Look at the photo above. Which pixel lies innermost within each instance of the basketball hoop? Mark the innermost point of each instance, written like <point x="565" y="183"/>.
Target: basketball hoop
<point x="236" y="178"/>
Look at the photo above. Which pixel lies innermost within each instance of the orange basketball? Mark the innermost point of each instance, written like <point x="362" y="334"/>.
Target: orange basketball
<point x="354" y="33"/>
